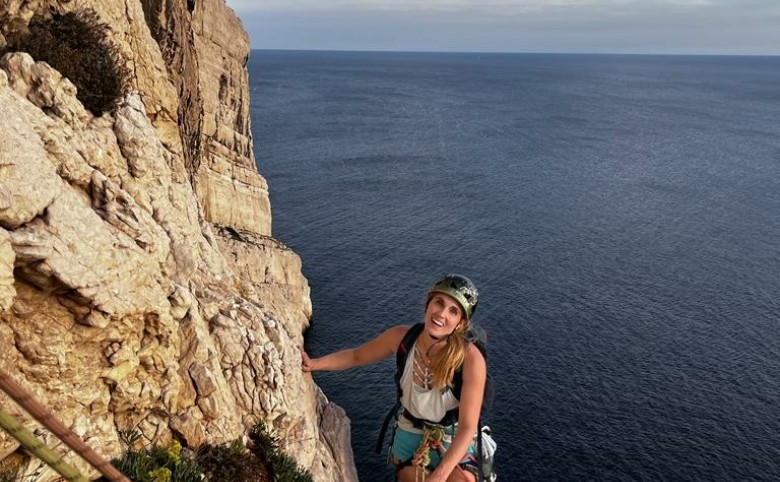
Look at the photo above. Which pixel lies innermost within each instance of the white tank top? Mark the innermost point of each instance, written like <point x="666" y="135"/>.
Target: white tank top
<point x="426" y="404"/>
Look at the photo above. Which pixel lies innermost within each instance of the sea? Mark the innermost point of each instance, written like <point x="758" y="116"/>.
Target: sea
<point x="620" y="215"/>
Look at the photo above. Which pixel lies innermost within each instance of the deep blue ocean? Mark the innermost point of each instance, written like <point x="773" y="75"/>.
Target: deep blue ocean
<point x="619" y="214"/>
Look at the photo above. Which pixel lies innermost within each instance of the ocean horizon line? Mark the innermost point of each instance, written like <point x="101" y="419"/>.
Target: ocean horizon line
<point x="490" y="52"/>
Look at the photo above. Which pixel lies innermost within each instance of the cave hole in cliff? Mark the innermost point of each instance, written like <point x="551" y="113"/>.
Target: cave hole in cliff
<point x="223" y="87"/>
<point x="79" y="46"/>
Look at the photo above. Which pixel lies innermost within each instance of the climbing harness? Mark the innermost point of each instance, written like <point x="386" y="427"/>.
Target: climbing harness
<point x="432" y="438"/>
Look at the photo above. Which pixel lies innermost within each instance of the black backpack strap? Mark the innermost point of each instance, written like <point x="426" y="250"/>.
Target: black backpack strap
<point x="479" y="452"/>
<point x="390" y="415"/>
<point x="401" y="354"/>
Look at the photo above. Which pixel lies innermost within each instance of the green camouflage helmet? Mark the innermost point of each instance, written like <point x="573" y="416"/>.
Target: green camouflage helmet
<point x="461" y="289"/>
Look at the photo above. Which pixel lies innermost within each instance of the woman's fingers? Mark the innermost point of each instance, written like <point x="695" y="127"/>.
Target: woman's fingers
<point x="306" y="364"/>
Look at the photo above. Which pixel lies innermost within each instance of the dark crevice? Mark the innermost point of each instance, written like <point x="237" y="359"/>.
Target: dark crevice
<point x="170" y="23"/>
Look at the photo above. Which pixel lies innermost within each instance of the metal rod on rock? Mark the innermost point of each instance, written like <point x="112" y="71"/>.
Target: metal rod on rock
<point x="38" y="448"/>
<point x="48" y="420"/>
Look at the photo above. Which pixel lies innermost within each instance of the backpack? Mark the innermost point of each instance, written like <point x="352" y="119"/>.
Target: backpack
<point x="486" y="446"/>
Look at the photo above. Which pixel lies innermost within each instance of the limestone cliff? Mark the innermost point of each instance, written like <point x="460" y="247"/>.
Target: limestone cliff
<point x="139" y="284"/>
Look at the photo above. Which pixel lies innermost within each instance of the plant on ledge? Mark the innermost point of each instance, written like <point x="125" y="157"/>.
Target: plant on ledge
<point x="79" y="46"/>
<point x="262" y="461"/>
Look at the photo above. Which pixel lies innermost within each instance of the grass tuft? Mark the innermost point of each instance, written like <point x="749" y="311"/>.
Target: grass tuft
<point x="156" y="464"/>
<point x="266" y="446"/>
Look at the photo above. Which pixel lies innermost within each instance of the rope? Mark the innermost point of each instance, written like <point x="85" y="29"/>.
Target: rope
<point x="431" y="440"/>
<point x="48" y="420"/>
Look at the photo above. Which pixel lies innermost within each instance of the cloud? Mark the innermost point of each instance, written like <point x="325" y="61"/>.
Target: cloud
<point x="440" y="5"/>
<point x="648" y="26"/>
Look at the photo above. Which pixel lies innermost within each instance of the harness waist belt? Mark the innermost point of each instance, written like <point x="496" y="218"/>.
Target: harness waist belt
<point x="419" y="423"/>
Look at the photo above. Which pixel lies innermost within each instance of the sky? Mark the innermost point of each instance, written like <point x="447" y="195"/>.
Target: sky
<point x="732" y="27"/>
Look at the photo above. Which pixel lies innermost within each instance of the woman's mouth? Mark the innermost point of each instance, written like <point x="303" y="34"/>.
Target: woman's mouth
<point x="438" y="323"/>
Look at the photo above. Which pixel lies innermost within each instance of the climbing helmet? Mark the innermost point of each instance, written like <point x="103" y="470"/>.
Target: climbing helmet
<point x="461" y="289"/>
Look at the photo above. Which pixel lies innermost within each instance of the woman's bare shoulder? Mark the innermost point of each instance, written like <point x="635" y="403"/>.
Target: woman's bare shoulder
<point x="393" y="335"/>
<point x="474" y="356"/>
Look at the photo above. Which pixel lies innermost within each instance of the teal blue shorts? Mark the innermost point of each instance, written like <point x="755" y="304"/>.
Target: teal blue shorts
<point x="405" y="444"/>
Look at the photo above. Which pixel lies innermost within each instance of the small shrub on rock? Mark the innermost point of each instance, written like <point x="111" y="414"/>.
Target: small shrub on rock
<point x="231" y="462"/>
<point x="78" y="45"/>
<point x="157" y="464"/>
<point x="264" y="461"/>
<point x="283" y="468"/>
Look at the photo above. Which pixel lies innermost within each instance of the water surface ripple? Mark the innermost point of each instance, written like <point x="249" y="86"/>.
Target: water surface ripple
<point x="619" y="214"/>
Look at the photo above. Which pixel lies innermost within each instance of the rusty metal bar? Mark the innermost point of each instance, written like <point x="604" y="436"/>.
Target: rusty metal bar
<point x="48" y="420"/>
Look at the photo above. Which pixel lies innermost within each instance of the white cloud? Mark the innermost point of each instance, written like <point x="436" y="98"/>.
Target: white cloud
<point x="442" y="5"/>
<point x="642" y="26"/>
<point x="465" y="10"/>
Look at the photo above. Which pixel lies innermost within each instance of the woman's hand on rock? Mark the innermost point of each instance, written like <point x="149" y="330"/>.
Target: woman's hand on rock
<point x="307" y="364"/>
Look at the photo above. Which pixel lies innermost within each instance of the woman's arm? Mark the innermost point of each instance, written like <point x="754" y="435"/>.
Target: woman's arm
<point x="474" y="376"/>
<point x="373" y="351"/>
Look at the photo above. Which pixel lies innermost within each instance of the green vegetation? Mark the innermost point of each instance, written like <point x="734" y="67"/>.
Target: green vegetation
<point x="283" y="468"/>
<point x="262" y="461"/>
<point x="78" y="45"/>
<point x="156" y="464"/>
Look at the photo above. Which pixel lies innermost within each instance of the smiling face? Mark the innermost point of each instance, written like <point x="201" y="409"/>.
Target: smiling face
<point x="442" y="315"/>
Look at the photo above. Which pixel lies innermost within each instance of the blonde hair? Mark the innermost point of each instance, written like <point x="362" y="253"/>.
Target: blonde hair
<point x="451" y="357"/>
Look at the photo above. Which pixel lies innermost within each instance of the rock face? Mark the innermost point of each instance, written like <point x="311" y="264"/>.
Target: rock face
<point x="207" y="54"/>
<point x="139" y="285"/>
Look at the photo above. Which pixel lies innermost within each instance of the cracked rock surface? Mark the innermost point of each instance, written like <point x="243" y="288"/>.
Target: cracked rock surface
<point x="139" y="285"/>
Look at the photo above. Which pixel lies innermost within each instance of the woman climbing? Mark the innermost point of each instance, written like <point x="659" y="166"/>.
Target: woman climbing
<point x="441" y="385"/>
